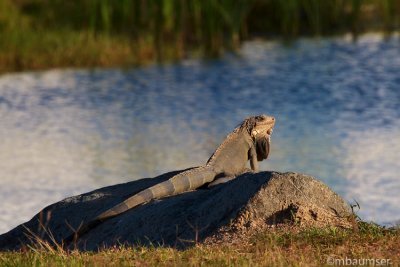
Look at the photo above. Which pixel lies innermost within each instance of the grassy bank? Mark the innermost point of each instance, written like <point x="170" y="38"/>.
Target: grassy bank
<point x="307" y="247"/>
<point x="37" y="34"/>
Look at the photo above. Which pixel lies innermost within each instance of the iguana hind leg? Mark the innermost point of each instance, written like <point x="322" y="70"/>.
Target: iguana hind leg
<point x="224" y="179"/>
<point x="221" y="181"/>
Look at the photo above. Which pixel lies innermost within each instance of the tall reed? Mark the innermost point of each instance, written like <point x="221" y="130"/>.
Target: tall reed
<point x="169" y="29"/>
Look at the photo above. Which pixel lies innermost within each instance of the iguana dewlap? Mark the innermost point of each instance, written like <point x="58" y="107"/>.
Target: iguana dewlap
<point x="249" y="141"/>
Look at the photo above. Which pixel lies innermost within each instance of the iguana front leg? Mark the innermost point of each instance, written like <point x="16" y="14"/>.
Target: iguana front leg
<point x="253" y="159"/>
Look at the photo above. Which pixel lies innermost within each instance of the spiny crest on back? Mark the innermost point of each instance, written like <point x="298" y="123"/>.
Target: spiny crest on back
<point x="247" y="125"/>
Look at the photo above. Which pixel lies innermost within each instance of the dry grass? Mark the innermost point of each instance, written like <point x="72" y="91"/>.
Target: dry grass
<point x="281" y="247"/>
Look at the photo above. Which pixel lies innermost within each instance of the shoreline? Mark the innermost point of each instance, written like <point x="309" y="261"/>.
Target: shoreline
<point x="103" y="52"/>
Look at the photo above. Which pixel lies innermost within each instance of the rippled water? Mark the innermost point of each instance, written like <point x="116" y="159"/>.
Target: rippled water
<point x="336" y="104"/>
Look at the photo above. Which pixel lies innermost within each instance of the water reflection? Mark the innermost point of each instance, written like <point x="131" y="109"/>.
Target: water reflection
<point x="67" y="132"/>
<point x="371" y="165"/>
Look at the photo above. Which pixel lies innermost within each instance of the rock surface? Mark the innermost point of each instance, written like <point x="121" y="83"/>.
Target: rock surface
<point x="251" y="201"/>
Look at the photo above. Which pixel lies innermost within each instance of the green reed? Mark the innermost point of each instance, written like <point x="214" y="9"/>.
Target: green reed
<point x="148" y="30"/>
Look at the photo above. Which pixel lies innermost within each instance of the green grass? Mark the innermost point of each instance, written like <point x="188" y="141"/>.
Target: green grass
<point x="296" y="247"/>
<point x="37" y="34"/>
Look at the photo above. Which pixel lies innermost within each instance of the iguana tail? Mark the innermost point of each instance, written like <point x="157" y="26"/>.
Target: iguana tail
<point x="185" y="181"/>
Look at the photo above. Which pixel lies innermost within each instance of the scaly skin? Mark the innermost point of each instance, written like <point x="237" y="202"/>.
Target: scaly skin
<point x="249" y="141"/>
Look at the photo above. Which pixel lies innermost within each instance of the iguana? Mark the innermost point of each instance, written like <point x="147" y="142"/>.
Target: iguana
<point x="249" y="141"/>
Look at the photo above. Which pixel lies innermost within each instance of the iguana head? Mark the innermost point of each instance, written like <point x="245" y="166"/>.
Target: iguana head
<point x="263" y="126"/>
<point x="258" y="125"/>
<point x="260" y="129"/>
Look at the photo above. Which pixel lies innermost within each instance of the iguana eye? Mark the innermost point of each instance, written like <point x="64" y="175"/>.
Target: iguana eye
<point x="260" y="118"/>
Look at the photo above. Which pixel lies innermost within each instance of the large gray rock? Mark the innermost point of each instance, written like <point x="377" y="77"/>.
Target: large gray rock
<point x="249" y="201"/>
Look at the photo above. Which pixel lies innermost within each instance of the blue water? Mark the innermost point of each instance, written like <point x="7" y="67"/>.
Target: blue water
<point x="337" y="105"/>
